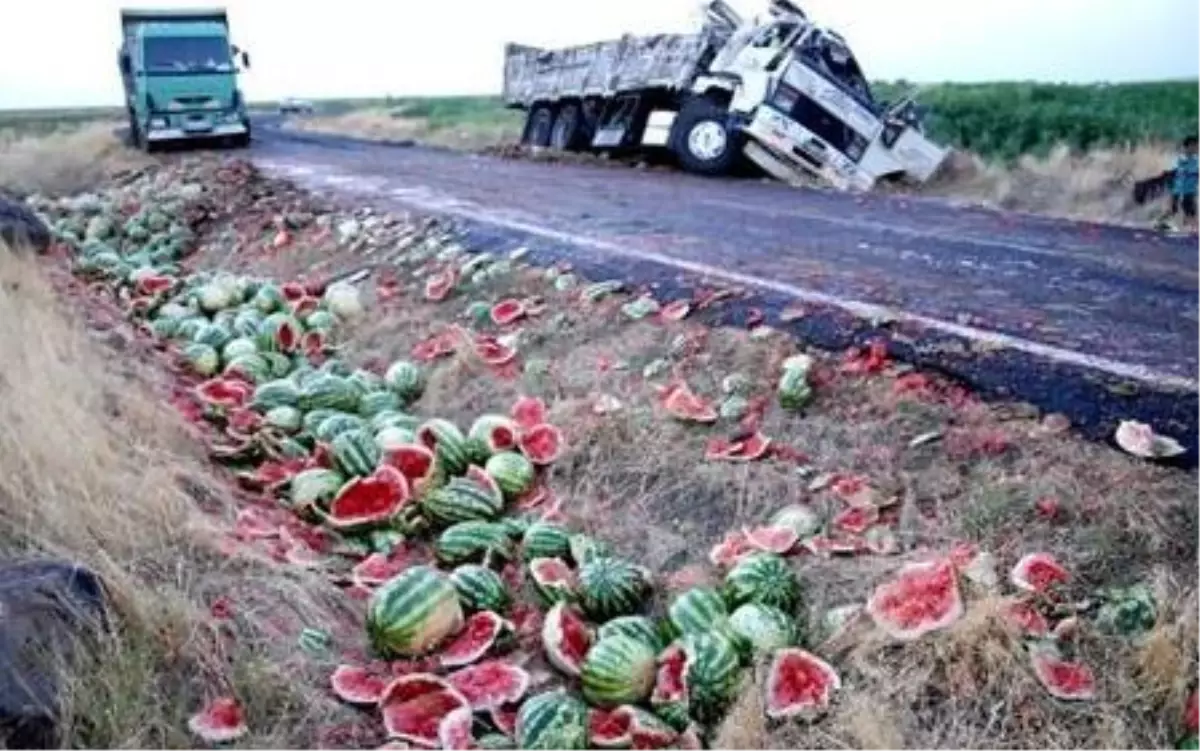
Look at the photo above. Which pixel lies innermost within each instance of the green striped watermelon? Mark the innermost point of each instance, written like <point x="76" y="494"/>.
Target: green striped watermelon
<point x="585" y="547"/>
<point x="279" y="332"/>
<point x="698" y="610"/>
<point x="406" y="380"/>
<point x="253" y="368"/>
<point x="246" y="322"/>
<point x="355" y="452"/>
<point x="764" y="578"/>
<point x="713" y="675"/>
<point x="413" y="613"/>
<point x="491" y="434"/>
<point x="267" y="299"/>
<point x="393" y="438"/>
<point x="313" y="419"/>
<point x="313" y="489"/>
<point x="618" y="670"/>
<point x="635" y="627"/>
<point x="320" y="320"/>
<point x="762" y="629"/>
<point x="338" y="423"/>
<point x="284" y="418"/>
<point x="794" y="390"/>
<point x="366" y="381"/>
<point x="460" y="500"/>
<point x="329" y="391"/>
<point x="375" y="402"/>
<point x="480" y="588"/>
<point x="396" y="419"/>
<point x="555" y="720"/>
<point x="546" y="540"/>
<point x="202" y="358"/>
<point x="512" y="471"/>
<point x="239" y="347"/>
<point x="473" y="540"/>
<point x="448" y="444"/>
<point x="281" y="365"/>
<point x="212" y="334"/>
<point x="610" y="587"/>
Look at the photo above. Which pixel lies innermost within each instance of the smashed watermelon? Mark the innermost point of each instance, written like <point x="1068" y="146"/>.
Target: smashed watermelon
<point x="1038" y="572"/>
<point x="799" y="684"/>
<point x="747" y="449"/>
<point x="770" y="539"/>
<point x="529" y="411"/>
<point x="507" y="311"/>
<point x="491" y="685"/>
<point x="542" y="444"/>
<point x="376" y="569"/>
<point x="730" y="549"/>
<point x="455" y="730"/>
<point x="682" y="404"/>
<point x="223" y="392"/>
<point x="1024" y="618"/>
<point x="492" y="351"/>
<point x="438" y="286"/>
<point x="413" y="707"/>
<point x="675" y="311"/>
<point x="479" y="634"/>
<point x="553" y="579"/>
<point x="221" y="721"/>
<point x="922" y="597"/>
<point x="1072" y="681"/>
<point x="370" y="500"/>
<point x="356" y="685"/>
<point x="414" y="461"/>
<point x="856" y="520"/>
<point x="566" y="638"/>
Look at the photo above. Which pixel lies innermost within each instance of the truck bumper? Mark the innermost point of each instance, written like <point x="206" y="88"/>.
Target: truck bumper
<point x="780" y="143"/>
<point x="222" y="130"/>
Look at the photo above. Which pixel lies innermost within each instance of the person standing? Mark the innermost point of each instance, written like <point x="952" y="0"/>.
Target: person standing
<point x="1183" y="186"/>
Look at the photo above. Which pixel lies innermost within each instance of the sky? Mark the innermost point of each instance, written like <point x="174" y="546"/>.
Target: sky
<point x="65" y="51"/>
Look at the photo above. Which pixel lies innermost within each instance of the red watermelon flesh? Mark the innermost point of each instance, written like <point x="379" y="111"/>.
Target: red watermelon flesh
<point x="853" y="490"/>
<point x="254" y="523"/>
<point x="438" y="345"/>
<point x="922" y="597"/>
<point x="376" y="569"/>
<point x="747" y="449"/>
<point x="223" y="392"/>
<point x="478" y="635"/>
<point x="152" y="284"/>
<point x="414" y="705"/>
<point x="357" y="685"/>
<point x="293" y="291"/>
<point x="491" y="684"/>
<point x="221" y="721"/>
<point x="270" y="474"/>
<point x="684" y="405"/>
<point x="669" y="682"/>
<point x="799" y="684"/>
<point x="454" y="731"/>
<point x="243" y="422"/>
<point x="1025" y="618"/>
<point x="610" y="729"/>
<point x="529" y="411"/>
<point x="566" y="638"/>
<point x="491" y="351"/>
<point x="504" y="718"/>
<point x="856" y="519"/>
<point x="675" y="311"/>
<point x="438" y="286"/>
<point x="370" y="500"/>
<point x="542" y="443"/>
<point x="1191" y="713"/>
<point x="480" y="477"/>
<point x="1072" y="681"/>
<point x="414" y="461"/>
<point x="507" y="311"/>
<point x="689" y="739"/>
<point x="728" y="551"/>
<point x="777" y="540"/>
<point x="305" y="305"/>
<point x="1038" y="572"/>
<point x="313" y="342"/>
<point x="553" y="573"/>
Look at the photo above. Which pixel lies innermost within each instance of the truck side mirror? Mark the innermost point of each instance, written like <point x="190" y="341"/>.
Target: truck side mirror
<point x="245" y="59"/>
<point x="123" y="61"/>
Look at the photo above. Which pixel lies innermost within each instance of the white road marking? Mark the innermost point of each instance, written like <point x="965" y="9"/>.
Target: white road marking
<point x="427" y="200"/>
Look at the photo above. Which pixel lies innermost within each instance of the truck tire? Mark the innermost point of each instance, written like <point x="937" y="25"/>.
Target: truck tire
<point x="702" y="139"/>
<point x="568" y="131"/>
<point x="538" y="126"/>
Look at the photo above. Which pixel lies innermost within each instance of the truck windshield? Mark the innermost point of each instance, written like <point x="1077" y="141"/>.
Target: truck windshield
<point x="187" y="55"/>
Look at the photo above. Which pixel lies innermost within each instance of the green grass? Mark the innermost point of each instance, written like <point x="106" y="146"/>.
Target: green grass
<point x="994" y="120"/>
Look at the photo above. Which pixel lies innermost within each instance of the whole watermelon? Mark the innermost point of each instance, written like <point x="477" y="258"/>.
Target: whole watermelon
<point x="413" y="613"/>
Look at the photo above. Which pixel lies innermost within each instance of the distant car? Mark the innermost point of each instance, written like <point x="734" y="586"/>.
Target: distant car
<point x="295" y="106"/>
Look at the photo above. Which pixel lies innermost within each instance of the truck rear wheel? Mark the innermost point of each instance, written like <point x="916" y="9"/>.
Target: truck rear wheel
<point x="702" y="139"/>
<point x="538" y="126"/>
<point x="567" y="133"/>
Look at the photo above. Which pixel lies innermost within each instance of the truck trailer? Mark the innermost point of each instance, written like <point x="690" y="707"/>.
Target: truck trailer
<point x="782" y="91"/>
<point x="179" y="73"/>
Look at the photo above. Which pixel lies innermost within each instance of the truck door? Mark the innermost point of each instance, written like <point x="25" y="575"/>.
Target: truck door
<point x="758" y="59"/>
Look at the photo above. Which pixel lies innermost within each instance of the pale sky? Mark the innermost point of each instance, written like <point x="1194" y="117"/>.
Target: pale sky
<point x="63" y="52"/>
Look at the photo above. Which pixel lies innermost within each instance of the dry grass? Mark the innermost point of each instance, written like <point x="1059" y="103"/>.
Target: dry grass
<point x="95" y="469"/>
<point x="1096" y="185"/>
<point x="383" y="125"/>
<point x="66" y="161"/>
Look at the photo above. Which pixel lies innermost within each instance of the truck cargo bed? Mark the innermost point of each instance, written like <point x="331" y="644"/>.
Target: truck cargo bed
<point x="667" y="61"/>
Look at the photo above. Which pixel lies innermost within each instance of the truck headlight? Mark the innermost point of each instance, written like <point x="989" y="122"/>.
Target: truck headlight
<point x="231" y="117"/>
<point x="158" y="122"/>
<point x="856" y="148"/>
<point x="785" y="97"/>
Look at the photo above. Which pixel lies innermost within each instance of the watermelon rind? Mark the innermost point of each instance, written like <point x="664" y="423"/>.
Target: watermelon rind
<point x="471" y="541"/>
<point x="563" y="622"/>
<point x="765" y="578"/>
<point x="806" y="702"/>
<point x="618" y="670"/>
<point x="413" y="613"/>
<point x="480" y="588"/>
<point x="713" y="675"/>
<point x="355" y="452"/>
<point x="551" y="589"/>
<point x="585" y="547"/>
<point x="611" y="587"/>
<point x="893" y="610"/>
<point x="447" y="442"/>
<point x="697" y="610"/>
<point x="552" y="720"/>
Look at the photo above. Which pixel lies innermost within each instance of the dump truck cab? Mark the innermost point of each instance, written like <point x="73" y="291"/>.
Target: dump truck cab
<point x="179" y="72"/>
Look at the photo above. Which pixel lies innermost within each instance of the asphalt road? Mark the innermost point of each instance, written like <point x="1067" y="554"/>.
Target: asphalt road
<point x="1099" y="322"/>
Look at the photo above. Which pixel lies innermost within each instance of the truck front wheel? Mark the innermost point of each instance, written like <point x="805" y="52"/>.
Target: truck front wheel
<point x="702" y="139"/>
<point x="538" y="126"/>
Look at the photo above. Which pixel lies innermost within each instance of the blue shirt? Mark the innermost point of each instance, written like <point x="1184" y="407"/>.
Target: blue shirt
<point x="1186" y="171"/>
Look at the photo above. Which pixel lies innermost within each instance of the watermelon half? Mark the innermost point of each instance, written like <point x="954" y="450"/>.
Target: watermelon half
<point x="1038" y="572"/>
<point x="415" y="462"/>
<point x="921" y="598"/>
<point x="670" y="694"/>
<point x="769" y="539"/>
<point x="223" y="392"/>
<point x="1072" y="681"/>
<point x="413" y="707"/>
<point x="542" y="443"/>
<point x="455" y="730"/>
<point x="492" y="351"/>
<point x="507" y="311"/>
<point x="356" y="685"/>
<point x="675" y="311"/>
<point x="438" y="286"/>
<point x="566" y="638"/>
<point x="800" y="685"/>
<point x="479" y="634"/>
<point x="730" y="549"/>
<point x="371" y="500"/>
<point x="491" y="684"/>
<point x="686" y="406"/>
<point x="629" y="726"/>
<point x="750" y="448"/>
<point x="221" y="721"/>
<point x="856" y="520"/>
<point x="529" y="411"/>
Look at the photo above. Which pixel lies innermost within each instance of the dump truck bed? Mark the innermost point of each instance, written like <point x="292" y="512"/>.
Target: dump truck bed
<point x="663" y="61"/>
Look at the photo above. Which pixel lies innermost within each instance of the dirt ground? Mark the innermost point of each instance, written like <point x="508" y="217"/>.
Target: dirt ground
<point x="209" y="615"/>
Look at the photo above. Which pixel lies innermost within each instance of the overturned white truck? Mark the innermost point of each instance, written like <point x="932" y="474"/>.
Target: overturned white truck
<point x="783" y="91"/>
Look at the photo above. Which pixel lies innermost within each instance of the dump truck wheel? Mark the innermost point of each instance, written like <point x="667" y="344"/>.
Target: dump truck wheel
<point x="567" y="133"/>
<point x="702" y="139"/>
<point x="538" y="126"/>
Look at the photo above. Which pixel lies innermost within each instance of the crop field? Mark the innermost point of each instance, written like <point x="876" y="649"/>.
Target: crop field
<point x="344" y="477"/>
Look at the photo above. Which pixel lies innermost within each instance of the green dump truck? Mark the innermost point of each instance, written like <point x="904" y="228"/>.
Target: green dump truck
<point x="179" y="72"/>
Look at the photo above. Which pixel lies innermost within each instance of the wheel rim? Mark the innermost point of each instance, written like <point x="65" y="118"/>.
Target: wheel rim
<point x="707" y="140"/>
